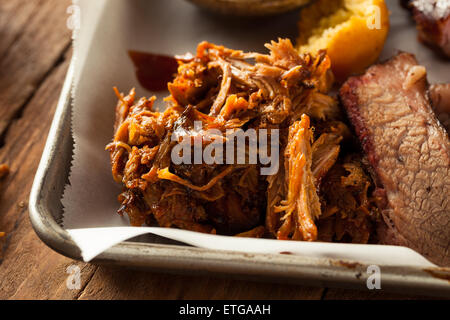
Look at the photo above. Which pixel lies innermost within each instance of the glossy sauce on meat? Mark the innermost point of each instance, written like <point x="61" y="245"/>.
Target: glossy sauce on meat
<point x="153" y="71"/>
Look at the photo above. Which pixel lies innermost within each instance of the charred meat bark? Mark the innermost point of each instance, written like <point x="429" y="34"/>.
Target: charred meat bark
<point x="409" y="151"/>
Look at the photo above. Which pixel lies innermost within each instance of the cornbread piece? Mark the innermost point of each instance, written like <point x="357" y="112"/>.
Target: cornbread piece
<point x="409" y="151"/>
<point x="352" y="31"/>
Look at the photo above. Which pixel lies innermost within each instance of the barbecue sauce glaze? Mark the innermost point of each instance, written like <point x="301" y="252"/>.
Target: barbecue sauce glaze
<point x="153" y="71"/>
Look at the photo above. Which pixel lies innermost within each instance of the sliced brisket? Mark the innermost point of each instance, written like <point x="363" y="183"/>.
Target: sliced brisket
<point x="409" y="151"/>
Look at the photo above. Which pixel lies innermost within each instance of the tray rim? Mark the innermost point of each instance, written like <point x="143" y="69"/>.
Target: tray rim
<point x="188" y="260"/>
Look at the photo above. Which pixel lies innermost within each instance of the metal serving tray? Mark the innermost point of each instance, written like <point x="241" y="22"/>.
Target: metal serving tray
<point x="157" y="253"/>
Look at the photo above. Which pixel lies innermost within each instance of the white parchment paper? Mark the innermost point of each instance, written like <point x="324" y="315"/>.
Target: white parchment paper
<point x="109" y="28"/>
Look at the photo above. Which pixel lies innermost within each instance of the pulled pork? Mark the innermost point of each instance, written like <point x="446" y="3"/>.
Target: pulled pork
<point x="224" y="90"/>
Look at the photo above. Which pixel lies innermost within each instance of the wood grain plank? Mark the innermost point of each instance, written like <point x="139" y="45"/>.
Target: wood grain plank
<point x="29" y="269"/>
<point x="14" y="15"/>
<point x="30" y="54"/>
<point x="115" y="283"/>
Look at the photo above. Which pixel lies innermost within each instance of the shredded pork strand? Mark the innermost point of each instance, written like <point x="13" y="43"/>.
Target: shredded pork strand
<point x="302" y="205"/>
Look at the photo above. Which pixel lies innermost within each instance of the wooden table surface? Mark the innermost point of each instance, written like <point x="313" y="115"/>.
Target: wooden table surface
<point x="35" y="51"/>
